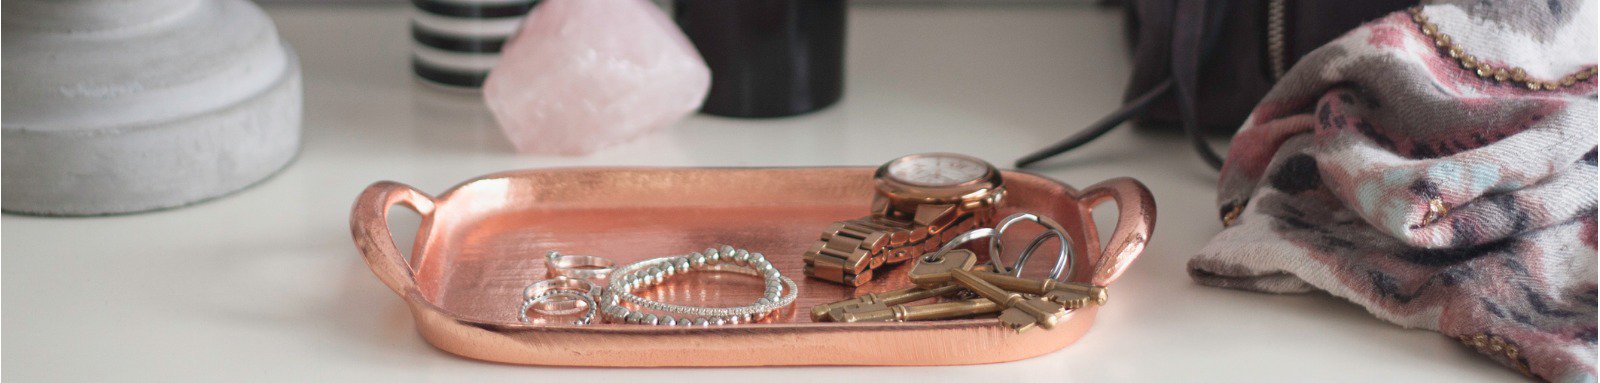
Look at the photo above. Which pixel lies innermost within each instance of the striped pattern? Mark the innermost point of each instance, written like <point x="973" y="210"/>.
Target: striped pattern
<point x="456" y="42"/>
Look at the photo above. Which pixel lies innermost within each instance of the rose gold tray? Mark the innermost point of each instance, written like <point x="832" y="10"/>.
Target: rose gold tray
<point x="481" y="242"/>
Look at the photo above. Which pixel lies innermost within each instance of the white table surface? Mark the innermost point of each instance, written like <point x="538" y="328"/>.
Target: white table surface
<point x="265" y="285"/>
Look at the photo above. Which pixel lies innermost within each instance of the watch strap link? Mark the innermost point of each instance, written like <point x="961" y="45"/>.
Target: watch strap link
<point x="849" y="251"/>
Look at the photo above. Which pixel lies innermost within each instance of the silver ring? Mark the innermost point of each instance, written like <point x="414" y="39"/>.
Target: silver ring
<point x="975" y="234"/>
<point x="553" y="306"/>
<point x="587" y="267"/>
<point x="1064" y="261"/>
<point x="575" y="296"/>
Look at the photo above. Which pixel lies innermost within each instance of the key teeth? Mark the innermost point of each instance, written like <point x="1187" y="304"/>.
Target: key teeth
<point x="853" y="318"/>
<point x="1075" y="303"/>
<point x="1047" y="313"/>
<point x="1017" y="320"/>
<point x="844" y="317"/>
<point x="819" y="313"/>
<point x="1099" y="295"/>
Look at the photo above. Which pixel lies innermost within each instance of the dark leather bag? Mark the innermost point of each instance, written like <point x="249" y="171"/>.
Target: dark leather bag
<point x="1202" y="65"/>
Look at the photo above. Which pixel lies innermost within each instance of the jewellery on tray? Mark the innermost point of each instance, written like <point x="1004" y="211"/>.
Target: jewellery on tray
<point x="589" y="307"/>
<point x="542" y="297"/>
<point x="586" y="267"/>
<point x="780" y="291"/>
<point x="922" y="201"/>
<point x="1022" y="303"/>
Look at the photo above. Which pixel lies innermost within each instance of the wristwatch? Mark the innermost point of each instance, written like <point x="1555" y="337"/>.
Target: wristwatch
<point x="922" y="201"/>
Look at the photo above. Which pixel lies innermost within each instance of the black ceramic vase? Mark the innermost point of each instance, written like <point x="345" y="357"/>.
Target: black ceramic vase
<point x="768" y="58"/>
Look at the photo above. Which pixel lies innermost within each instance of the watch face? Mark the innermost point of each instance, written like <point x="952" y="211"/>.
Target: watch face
<point x="937" y="170"/>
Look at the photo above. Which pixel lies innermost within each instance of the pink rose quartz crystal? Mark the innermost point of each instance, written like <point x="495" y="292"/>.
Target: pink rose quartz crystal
<point x="581" y="75"/>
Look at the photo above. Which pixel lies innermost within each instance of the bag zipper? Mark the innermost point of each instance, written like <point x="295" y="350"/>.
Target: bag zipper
<point x="1277" y="55"/>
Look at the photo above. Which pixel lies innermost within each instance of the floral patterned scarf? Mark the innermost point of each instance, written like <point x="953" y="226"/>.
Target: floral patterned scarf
<point x="1439" y="192"/>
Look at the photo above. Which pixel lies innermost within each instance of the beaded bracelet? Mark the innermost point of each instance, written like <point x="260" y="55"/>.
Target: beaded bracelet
<point x="780" y="290"/>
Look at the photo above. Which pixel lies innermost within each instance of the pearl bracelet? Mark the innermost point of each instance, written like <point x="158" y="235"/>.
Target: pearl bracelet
<point x="780" y="290"/>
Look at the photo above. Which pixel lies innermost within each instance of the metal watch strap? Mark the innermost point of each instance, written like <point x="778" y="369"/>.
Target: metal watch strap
<point x="849" y="251"/>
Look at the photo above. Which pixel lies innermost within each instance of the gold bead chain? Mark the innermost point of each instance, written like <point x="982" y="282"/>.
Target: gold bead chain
<point x="1495" y="345"/>
<point x="1486" y="71"/>
<point x="1233" y="214"/>
<point x="1436" y="211"/>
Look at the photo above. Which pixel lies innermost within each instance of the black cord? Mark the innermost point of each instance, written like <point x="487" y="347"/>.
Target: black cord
<point x="1186" y="63"/>
<point x="1099" y="128"/>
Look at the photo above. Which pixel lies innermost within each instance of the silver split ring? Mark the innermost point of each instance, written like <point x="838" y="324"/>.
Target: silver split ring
<point x="975" y="234"/>
<point x="1064" y="261"/>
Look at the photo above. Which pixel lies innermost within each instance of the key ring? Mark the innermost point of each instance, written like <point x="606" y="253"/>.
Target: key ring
<point x="1056" y="270"/>
<point x="973" y="235"/>
<point x="538" y="296"/>
<point x="1064" y="261"/>
<point x="586" y="267"/>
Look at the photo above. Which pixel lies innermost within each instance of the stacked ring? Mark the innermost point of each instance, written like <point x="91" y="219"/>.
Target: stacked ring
<point x="589" y="308"/>
<point x="586" y="267"/>
<point x="540" y="297"/>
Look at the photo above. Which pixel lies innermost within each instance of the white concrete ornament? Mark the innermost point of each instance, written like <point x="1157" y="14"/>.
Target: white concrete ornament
<point x="121" y="106"/>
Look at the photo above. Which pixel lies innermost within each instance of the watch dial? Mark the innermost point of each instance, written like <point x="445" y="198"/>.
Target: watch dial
<point x="937" y="170"/>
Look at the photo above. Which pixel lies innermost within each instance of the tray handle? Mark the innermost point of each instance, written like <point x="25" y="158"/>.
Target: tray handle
<point x="1136" y="218"/>
<point x="369" y="224"/>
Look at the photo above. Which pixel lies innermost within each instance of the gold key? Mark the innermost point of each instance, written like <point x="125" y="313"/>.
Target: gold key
<point x="1074" y="295"/>
<point x="924" y="268"/>
<point x="935" y="311"/>
<point x="831" y="311"/>
<point x="1021" y="312"/>
<point x="934" y="270"/>
<point x="1068" y="299"/>
<point x="1025" y="312"/>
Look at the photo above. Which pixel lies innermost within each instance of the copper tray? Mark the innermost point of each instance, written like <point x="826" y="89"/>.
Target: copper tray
<point x="481" y="242"/>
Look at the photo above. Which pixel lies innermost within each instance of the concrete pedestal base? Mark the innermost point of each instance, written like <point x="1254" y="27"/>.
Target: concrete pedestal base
<point x="128" y="106"/>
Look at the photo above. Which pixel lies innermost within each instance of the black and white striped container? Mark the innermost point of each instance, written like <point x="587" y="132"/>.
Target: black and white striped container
<point x="456" y="42"/>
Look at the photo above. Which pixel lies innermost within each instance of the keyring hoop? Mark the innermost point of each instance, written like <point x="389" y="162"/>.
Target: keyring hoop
<point x="551" y="306"/>
<point x="586" y="267"/>
<point x="1055" y="270"/>
<point x="962" y="239"/>
<point x="1064" y="256"/>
